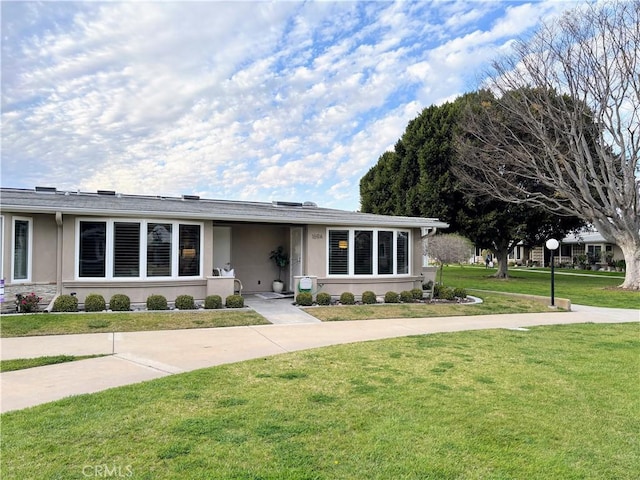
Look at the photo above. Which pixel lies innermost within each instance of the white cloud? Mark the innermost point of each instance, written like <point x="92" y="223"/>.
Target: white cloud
<point x="245" y="100"/>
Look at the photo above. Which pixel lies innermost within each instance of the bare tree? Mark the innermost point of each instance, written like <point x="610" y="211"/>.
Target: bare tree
<point x="449" y="248"/>
<point x="562" y="129"/>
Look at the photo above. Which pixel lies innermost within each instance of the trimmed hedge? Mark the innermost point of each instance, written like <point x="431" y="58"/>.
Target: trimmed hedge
<point x="323" y="298"/>
<point x="406" y="296"/>
<point x="417" y="293"/>
<point x="391" y="297"/>
<point x="120" y="303"/>
<point x="157" y="302"/>
<point x="347" y="298"/>
<point x="234" y="301"/>
<point x="304" y="299"/>
<point x="94" y="302"/>
<point x="66" y="303"/>
<point x="369" y="297"/>
<point x="185" y="302"/>
<point x="213" y="302"/>
<point x="460" y="292"/>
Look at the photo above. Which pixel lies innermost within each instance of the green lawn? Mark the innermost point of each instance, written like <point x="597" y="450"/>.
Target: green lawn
<point x="492" y="304"/>
<point x="559" y="402"/>
<point x="596" y="289"/>
<point x="22" y="363"/>
<point x="67" y="323"/>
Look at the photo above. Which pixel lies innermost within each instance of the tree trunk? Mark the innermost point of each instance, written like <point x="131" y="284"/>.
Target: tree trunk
<point x="631" y="252"/>
<point x="501" y="255"/>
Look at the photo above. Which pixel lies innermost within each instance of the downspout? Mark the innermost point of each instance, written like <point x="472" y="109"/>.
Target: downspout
<point x="59" y="255"/>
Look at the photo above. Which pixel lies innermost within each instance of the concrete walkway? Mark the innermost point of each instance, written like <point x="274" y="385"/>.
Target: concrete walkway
<point x="140" y="356"/>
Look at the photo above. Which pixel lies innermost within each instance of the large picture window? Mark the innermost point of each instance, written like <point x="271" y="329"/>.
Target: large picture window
<point x="21" y="245"/>
<point x="122" y="249"/>
<point x="368" y="252"/>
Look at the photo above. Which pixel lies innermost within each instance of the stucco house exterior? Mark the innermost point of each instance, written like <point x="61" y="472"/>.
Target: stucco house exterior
<point x="61" y="242"/>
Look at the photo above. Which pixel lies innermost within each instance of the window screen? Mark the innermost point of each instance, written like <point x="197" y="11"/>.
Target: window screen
<point x="385" y="253"/>
<point x="363" y="252"/>
<point x="159" y="238"/>
<point x="189" y="260"/>
<point x="93" y="237"/>
<point x="21" y="249"/>
<point x="402" y="252"/>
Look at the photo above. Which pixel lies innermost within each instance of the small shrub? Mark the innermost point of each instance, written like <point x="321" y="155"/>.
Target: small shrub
<point x="185" y="302"/>
<point x="369" y="297"/>
<point x="27" y="303"/>
<point x="234" y="301"/>
<point x="446" y="293"/>
<point x="156" y="302"/>
<point x="304" y="299"/>
<point x="66" y="303"/>
<point x="213" y="302"/>
<point x="391" y="297"/>
<point x="406" y="296"/>
<point x="428" y="285"/>
<point x="416" y="293"/>
<point x="94" y="302"/>
<point x="460" y="293"/>
<point x="437" y="288"/>
<point x="323" y="298"/>
<point x="347" y="298"/>
<point x="120" y="303"/>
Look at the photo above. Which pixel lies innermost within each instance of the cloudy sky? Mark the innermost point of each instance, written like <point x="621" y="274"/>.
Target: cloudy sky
<point x="242" y="100"/>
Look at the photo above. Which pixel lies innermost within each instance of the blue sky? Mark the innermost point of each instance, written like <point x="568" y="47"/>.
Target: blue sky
<point x="255" y="101"/>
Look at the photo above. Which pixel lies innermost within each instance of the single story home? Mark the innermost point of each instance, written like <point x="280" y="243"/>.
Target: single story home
<point x="588" y="246"/>
<point x="61" y="242"/>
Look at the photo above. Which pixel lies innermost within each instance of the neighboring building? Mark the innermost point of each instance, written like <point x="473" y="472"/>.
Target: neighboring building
<point x="56" y="242"/>
<point x="574" y="246"/>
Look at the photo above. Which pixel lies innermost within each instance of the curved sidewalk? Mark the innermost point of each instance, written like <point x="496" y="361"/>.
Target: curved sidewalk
<point x="139" y="356"/>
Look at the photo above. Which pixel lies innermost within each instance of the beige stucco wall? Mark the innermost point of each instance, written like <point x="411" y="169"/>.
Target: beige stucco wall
<point x="251" y="246"/>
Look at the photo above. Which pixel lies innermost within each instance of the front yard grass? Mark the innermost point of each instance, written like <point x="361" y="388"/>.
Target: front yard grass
<point x="492" y="304"/>
<point x="68" y="323"/>
<point x="22" y="363"/>
<point x="553" y="402"/>
<point x="595" y="288"/>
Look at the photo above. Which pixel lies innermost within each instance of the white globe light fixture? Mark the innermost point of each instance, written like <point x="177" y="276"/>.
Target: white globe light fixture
<point x="552" y="244"/>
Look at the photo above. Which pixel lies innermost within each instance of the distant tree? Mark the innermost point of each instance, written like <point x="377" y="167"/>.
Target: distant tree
<point x="417" y="179"/>
<point x="448" y="248"/>
<point x="574" y="88"/>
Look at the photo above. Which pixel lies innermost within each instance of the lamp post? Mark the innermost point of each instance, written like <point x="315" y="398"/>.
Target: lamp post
<point x="552" y="245"/>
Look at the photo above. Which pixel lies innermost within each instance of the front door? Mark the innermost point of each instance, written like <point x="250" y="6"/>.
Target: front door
<point x="296" y="256"/>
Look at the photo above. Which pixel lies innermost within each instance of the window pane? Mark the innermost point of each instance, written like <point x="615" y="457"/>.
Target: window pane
<point x="338" y="252"/>
<point x="93" y="237"/>
<point x="363" y="253"/>
<point x="159" y="249"/>
<point x="189" y="261"/>
<point x="402" y="253"/>
<point x="21" y="251"/>
<point x="126" y="249"/>
<point x="385" y="253"/>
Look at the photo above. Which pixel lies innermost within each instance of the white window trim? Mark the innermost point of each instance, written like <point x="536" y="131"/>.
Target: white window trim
<point x="109" y="254"/>
<point x="374" y="253"/>
<point x="29" y="220"/>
